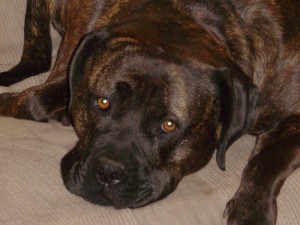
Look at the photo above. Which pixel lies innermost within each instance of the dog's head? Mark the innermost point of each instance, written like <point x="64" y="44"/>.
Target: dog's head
<point x="148" y="112"/>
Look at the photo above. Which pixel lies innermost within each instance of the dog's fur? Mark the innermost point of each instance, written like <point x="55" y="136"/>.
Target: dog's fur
<point x="216" y="69"/>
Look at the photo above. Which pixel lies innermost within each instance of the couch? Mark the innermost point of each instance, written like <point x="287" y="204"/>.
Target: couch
<point x="31" y="188"/>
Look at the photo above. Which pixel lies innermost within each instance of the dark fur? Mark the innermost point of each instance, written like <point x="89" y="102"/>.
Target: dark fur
<point x="218" y="69"/>
<point x="36" y="58"/>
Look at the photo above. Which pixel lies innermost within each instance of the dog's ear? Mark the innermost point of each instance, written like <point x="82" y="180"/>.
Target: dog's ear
<point x="90" y="43"/>
<point x="239" y="97"/>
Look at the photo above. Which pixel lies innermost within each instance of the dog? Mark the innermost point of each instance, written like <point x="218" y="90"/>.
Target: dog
<point x="153" y="88"/>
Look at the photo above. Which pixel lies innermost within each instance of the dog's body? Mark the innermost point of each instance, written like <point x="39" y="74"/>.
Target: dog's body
<point x="157" y="86"/>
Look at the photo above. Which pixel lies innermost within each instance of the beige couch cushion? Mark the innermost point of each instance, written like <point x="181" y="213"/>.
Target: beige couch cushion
<point x="31" y="189"/>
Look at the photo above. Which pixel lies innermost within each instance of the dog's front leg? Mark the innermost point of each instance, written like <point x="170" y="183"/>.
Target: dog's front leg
<point x="39" y="103"/>
<point x="277" y="156"/>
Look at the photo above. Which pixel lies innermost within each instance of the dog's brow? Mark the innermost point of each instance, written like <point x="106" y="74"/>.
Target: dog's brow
<point x="178" y="101"/>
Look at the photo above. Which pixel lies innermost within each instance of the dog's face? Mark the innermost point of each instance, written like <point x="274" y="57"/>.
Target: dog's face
<point x="144" y="120"/>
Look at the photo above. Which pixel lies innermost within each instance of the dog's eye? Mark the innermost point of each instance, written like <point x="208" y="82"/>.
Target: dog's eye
<point x="168" y="126"/>
<point x="103" y="103"/>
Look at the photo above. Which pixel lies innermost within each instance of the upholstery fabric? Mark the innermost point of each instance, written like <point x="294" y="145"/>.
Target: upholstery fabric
<point x="31" y="188"/>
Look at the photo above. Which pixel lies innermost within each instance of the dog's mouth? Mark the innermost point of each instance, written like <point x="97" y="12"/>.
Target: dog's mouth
<point x="127" y="194"/>
<point x="135" y="189"/>
<point x="120" y="199"/>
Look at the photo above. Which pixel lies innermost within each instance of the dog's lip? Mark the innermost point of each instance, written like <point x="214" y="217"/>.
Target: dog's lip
<point x="97" y="197"/>
<point x="145" y="199"/>
<point x="104" y="198"/>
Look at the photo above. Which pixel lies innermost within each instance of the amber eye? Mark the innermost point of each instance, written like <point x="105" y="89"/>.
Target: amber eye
<point x="103" y="103"/>
<point x="168" y="126"/>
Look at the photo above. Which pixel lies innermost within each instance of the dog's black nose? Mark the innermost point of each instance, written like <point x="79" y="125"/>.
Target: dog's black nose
<point x="110" y="172"/>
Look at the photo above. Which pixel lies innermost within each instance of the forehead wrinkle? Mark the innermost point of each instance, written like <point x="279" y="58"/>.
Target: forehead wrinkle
<point x="110" y="68"/>
<point x="178" y="95"/>
<point x="103" y="73"/>
<point x="120" y="67"/>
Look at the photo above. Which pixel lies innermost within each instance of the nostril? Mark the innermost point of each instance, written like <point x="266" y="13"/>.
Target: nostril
<point x="107" y="178"/>
<point x="100" y="175"/>
<point x="114" y="176"/>
<point x="118" y="176"/>
<point x="110" y="172"/>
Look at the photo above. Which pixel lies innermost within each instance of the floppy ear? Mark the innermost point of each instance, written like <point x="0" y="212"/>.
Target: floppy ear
<point x="87" y="45"/>
<point x="238" y="98"/>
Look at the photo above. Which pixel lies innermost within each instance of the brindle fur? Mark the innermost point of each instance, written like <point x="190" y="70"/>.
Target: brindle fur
<point x="36" y="57"/>
<point x="247" y="57"/>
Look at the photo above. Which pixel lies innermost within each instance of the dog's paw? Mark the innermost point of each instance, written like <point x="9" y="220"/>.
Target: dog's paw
<point x="7" y="101"/>
<point x="254" y="208"/>
<point x="5" y="96"/>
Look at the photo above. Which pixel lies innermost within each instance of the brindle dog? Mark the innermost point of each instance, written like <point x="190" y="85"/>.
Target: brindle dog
<point x="154" y="87"/>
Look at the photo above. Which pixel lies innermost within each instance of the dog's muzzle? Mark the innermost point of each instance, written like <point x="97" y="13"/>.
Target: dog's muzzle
<point x="105" y="180"/>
